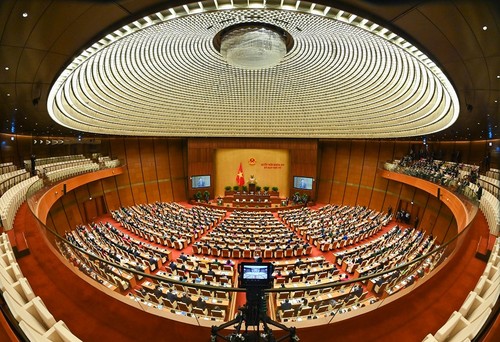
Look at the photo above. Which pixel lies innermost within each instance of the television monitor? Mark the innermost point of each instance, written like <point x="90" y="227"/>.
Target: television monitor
<point x="304" y="183"/>
<point x="258" y="274"/>
<point x="202" y="181"/>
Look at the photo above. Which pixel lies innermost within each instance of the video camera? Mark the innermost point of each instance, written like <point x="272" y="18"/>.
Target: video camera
<point x="256" y="275"/>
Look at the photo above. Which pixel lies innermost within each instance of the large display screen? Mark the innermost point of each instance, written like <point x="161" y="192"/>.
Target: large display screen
<point x="304" y="183"/>
<point x="202" y="181"/>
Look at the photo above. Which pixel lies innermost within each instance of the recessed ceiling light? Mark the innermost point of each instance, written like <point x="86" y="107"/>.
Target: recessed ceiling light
<point x="7" y="68"/>
<point x="485" y="28"/>
<point x="8" y="94"/>
<point x="25" y="14"/>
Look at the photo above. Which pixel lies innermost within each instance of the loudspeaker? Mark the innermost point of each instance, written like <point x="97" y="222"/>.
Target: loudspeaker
<point x="439" y="193"/>
<point x="64" y="189"/>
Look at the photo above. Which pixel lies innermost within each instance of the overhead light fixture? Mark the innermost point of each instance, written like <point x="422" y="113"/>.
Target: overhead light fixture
<point x="25" y="14"/>
<point x="253" y="46"/>
<point x="485" y="28"/>
<point x="6" y="68"/>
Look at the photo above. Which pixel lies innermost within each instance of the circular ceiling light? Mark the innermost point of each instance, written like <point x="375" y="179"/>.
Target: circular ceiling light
<point x="253" y="46"/>
<point x="342" y="76"/>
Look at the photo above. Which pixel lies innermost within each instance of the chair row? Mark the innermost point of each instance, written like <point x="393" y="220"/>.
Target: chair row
<point x="13" y="173"/>
<point x="7" y="167"/>
<point x="493" y="173"/>
<point x="247" y="253"/>
<point x="52" y="160"/>
<point x="73" y="170"/>
<point x="33" y="317"/>
<point x="490" y="187"/>
<point x="12" y="199"/>
<point x="464" y="324"/>
<point x="490" y="206"/>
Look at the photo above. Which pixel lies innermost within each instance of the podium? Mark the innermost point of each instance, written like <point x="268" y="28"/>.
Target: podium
<point x="251" y="187"/>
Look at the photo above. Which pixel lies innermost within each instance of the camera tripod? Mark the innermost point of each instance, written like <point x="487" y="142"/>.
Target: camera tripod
<point x="253" y="313"/>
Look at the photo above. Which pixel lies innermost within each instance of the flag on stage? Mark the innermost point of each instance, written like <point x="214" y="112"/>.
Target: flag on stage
<point x="240" y="179"/>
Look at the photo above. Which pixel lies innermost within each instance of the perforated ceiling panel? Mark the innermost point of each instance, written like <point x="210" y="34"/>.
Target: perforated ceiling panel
<point x="344" y="77"/>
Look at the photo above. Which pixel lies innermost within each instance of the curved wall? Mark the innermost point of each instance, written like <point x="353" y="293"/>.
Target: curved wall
<point x="346" y="173"/>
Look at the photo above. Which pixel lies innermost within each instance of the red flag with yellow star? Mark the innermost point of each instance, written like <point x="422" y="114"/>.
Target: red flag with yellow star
<point x="240" y="178"/>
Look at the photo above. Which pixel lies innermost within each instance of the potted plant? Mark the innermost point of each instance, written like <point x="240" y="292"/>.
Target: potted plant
<point x="266" y="188"/>
<point x="206" y="196"/>
<point x="258" y="188"/>
<point x="236" y="188"/>
<point x="228" y="190"/>
<point x="198" y="196"/>
<point x="274" y="191"/>
<point x="245" y="188"/>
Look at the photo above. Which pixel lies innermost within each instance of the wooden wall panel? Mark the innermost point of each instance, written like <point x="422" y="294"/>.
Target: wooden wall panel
<point x="350" y="195"/>
<point x="355" y="171"/>
<point x="139" y="193"/>
<point x="111" y="193"/>
<point x="81" y="194"/>
<point x="478" y="150"/>
<point x="126" y="197"/>
<point x="90" y="209"/>
<point x="134" y="162"/>
<point x="429" y="216"/>
<point x="95" y="189"/>
<point x="325" y="177"/>
<point x="377" y="201"/>
<point x="401" y="148"/>
<point x="59" y="219"/>
<point x="178" y="170"/>
<point x="364" y="197"/>
<point x="370" y="163"/>
<point x="407" y="193"/>
<point x="161" y="158"/>
<point x="340" y="173"/>
<point x="50" y="223"/>
<point x="338" y="192"/>
<point x="394" y="189"/>
<point x="390" y="200"/>
<point x="356" y="162"/>
<point x="152" y="192"/>
<point x="442" y="225"/>
<point x="134" y="165"/>
<point x="149" y="171"/>
<point x="386" y="152"/>
<point x="123" y="180"/>
<point x="72" y="210"/>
